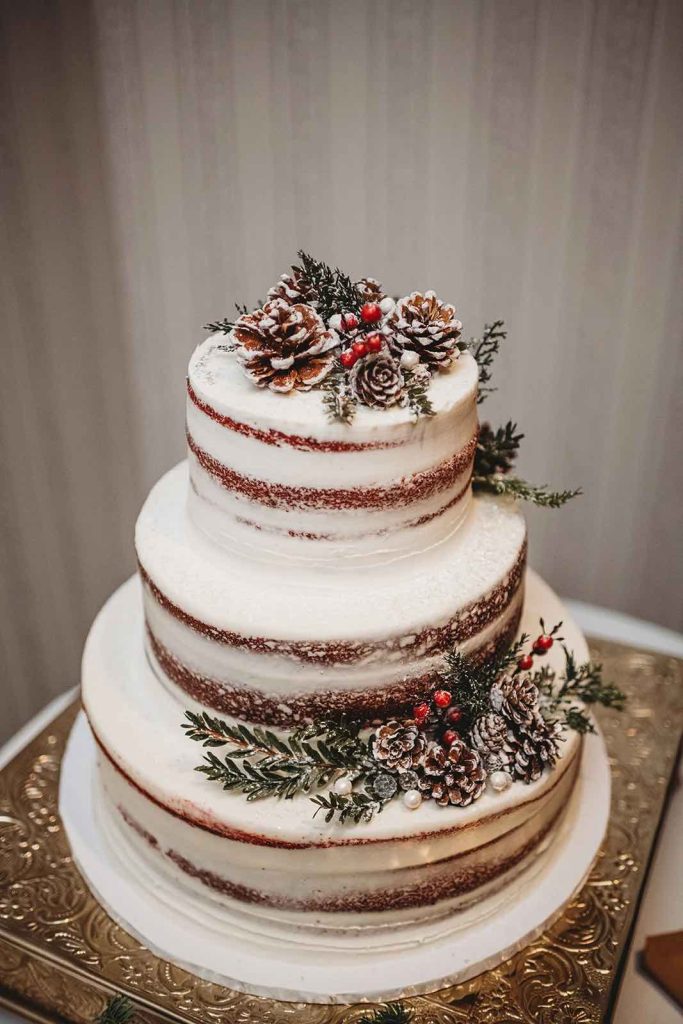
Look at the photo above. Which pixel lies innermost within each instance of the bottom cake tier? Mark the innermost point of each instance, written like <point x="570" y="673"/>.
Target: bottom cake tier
<point x="271" y="863"/>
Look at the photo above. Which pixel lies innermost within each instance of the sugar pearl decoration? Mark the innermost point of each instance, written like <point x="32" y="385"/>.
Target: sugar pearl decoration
<point x="412" y="799"/>
<point x="387" y="304"/>
<point x="343" y="786"/>
<point x="409" y="359"/>
<point x="500" y="781"/>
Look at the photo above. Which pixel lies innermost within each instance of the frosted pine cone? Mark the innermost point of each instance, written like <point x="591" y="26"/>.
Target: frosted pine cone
<point x="284" y="347"/>
<point x="515" y="698"/>
<point x="489" y="733"/>
<point x="398" y="745"/>
<point x="454" y="776"/>
<point x="376" y="380"/>
<point x="293" y="288"/>
<point x="535" y="749"/>
<point x="370" y="290"/>
<point x="427" y="326"/>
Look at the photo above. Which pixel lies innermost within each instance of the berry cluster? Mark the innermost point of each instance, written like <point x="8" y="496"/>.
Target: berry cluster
<point x="440" y="715"/>
<point x="370" y="313"/>
<point x="540" y="646"/>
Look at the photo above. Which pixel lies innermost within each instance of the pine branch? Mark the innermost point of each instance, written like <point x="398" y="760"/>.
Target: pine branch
<point x="416" y="392"/>
<point x="471" y="683"/>
<point x="485" y="350"/>
<point x="583" y="683"/>
<point x="514" y="487"/>
<point x="262" y="764"/>
<point x="496" y="450"/>
<point x="338" y="402"/>
<point x="118" y="1010"/>
<point x="336" y="292"/>
<point x="225" y="325"/>
<point x="356" y="807"/>
<point x="392" y="1013"/>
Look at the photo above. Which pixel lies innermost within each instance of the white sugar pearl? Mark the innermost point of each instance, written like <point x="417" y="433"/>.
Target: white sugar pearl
<point x="412" y="798"/>
<point x="335" y="321"/>
<point x="409" y="359"/>
<point x="387" y="304"/>
<point x="500" y="781"/>
<point x="343" y="786"/>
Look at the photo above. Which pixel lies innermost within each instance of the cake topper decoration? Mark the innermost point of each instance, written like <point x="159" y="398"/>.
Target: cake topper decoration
<point x="482" y="726"/>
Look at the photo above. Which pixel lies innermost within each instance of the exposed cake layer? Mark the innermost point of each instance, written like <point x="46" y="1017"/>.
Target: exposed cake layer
<point x="274" y="857"/>
<point x="270" y="473"/>
<point x="270" y="645"/>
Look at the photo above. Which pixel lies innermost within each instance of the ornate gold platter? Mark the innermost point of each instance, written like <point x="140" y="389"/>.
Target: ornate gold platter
<point x="62" y="956"/>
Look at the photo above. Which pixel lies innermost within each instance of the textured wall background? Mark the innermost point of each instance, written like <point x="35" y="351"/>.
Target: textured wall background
<point x="161" y="158"/>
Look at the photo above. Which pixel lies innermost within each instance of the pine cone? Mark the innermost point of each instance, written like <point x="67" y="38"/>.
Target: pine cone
<point x="284" y="347"/>
<point x="534" y="748"/>
<point x="454" y="776"/>
<point x="398" y="745"/>
<point x="370" y="290"/>
<point x="489" y="733"/>
<point x="376" y="380"/>
<point x="515" y="698"/>
<point x="424" y="324"/>
<point x="293" y="288"/>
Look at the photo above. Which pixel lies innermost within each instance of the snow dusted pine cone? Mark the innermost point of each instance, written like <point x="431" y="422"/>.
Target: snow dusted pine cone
<point x="454" y="776"/>
<point x="489" y="733"/>
<point x="424" y="324"/>
<point x="398" y="745"/>
<point x="293" y="288"/>
<point x="536" y="748"/>
<point x="515" y="698"/>
<point x="284" y="347"/>
<point x="370" y="290"/>
<point x="376" y="380"/>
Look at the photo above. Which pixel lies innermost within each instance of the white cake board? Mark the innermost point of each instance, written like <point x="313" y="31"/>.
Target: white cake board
<point x="210" y="945"/>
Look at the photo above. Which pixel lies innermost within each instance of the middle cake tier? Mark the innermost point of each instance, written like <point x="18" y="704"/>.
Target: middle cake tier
<point x="278" y="644"/>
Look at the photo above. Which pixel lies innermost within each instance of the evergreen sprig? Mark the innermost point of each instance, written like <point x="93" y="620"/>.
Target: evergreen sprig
<point x="494" y="458"/>
<point x="485" y="350"/>
<point x="471" y="682"/>
<point x="225" y="325"/>
<point x="336" y="292"/>
<point x="262" y="764"/>
<point x="392" y="1013"/>
<point x="579" y="682"/>
<point x="337" y="399"/>
<point x="356" y="807"/>
<point x="119" y="1010"/>
<point x="416" y="392"/>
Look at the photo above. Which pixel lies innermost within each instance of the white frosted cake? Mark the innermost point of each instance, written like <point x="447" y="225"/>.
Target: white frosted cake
<point x="335" y="615"/>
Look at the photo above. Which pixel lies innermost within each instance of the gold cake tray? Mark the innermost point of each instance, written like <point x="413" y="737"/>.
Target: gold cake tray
<point x="62" y="957"/>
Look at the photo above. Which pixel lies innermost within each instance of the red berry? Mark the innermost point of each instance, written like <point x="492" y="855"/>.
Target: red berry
<point x="370" y="313"/>
<point x="544" y="642"/>
<point x="359" y="349"/>
<point x="349" y="321"/>
<point x="348" y="358"/>
<point x="454" y="715"/>
<point x="374" y="342"/>
<point x="525" y="662"/>
<point x="450" y="736"/>
<point x="442" y="698"/>
<point x="420" y="712"/>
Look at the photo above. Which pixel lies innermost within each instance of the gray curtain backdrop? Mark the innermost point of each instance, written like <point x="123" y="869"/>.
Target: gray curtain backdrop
<point x="160" y="159"/>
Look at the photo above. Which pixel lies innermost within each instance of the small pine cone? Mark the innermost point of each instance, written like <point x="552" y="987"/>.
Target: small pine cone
<point x="293" y="288"/>
<point x="454" y="776"/>
<point x="489" y="733"/>
<point x="427" y="326"/>
<point x="535" y="747"/>
<point x="376" y="380"/>
<point x="284" y="347"/>
<point x="398" y="745"/>
<point x="370" y="290"/>
<point x="515" y="698"/>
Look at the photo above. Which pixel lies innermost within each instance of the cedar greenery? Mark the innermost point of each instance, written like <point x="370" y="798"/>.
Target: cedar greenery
<point x="583" y="683"/>
<point x="485" y="350"/>
<point x="416" y="391"/>
<point x="471" y="682"/>
<point x="493" y="459"/>
<point x="337" y="399"/>
<point x="119" y="1010"/>
<point x="336" y="292"/>
<point x="392" y="1013"/>
<point x="356" y="807"/>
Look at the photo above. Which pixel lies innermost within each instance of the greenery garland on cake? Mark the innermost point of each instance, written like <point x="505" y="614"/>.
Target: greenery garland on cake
<point x="358" y="345"/>
<point x="481" y="725"/>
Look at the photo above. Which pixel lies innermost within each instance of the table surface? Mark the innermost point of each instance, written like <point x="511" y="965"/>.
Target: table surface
<point x="640" y="1002"/>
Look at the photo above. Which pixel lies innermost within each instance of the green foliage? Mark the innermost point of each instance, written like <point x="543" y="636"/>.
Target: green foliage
<point x="485" y="350"/>
<point x="338" y="401"/>
<point x="416" y="390"/>
<point x="471" y="683"/>
<point x="118" y="1010"/>
<point x="336" y="292"/>
<point x="392" y="1013"/>
<point x="262" y="764"/>
<point x="583" y="683"/>
<point x="513" y="487"/>
<point x="494" y="458"/>
<point x="356" y="807"/>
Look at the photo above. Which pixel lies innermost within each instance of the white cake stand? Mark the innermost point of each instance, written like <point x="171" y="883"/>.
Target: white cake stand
<point x="207" y="941"/>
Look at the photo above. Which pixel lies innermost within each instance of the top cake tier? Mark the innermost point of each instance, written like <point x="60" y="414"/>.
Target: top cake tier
<point x="271" y="476"/>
